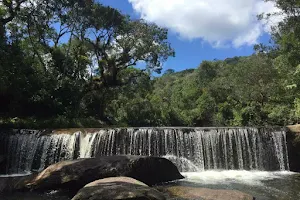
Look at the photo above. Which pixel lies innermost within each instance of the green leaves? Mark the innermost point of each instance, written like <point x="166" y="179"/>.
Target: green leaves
<point x="81" y="55"/>
<point x="242" y="91"/>
<point x="74" y="59"/>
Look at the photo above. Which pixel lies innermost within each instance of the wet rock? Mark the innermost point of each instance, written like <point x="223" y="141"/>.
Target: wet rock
<point x="293" y="146"/>
<point x="77" y="173"/>
<point x="118" y="188"/>
<point x="205" y="193"/>
<point x="10" y="184"/>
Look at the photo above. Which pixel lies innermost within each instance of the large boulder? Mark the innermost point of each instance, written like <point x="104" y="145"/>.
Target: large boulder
<point x="293" y="145"/>
<point x="118" y="188"/>
<point x="77" y="173"/>
<point x="10" y="184"/>
<point x="205" y="193"/>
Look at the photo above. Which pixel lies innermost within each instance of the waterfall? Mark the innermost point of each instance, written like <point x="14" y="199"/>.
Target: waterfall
<point x="191" y="149"/>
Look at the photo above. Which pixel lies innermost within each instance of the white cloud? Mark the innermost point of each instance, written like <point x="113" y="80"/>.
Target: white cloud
<point x="219" y="22"/>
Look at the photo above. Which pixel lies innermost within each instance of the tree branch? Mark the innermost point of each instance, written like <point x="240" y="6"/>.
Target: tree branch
<point x="11" y="10"/>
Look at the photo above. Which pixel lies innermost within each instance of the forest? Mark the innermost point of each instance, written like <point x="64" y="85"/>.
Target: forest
<point x="78" y="63"/>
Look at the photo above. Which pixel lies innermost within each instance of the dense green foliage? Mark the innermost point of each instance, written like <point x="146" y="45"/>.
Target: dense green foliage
<point x="70" y="59"/>
<point x="72" y="63"/>
<point x="245" y="91"/>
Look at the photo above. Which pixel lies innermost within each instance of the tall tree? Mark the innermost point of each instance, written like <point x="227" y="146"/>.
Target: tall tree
<point x="117" y="42"/>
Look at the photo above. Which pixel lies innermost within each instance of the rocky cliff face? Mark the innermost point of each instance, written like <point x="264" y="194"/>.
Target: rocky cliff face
<point x="293" y="145"/>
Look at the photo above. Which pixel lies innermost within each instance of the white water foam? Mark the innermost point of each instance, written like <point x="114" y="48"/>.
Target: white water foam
<point x="182" y="163"/>
<point x="234" y="176"/>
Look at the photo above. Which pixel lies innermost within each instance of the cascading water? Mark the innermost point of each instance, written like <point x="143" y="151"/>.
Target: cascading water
<point x="191" y="149"/>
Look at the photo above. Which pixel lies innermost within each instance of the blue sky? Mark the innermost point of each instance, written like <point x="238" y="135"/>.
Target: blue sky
<point x="203" y="35"/>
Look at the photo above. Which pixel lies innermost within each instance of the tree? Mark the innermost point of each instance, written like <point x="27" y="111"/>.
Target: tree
<point x="286" y="34"/>
<point x="73" y="57"/>
<point x="117" y="42"/>
<point x="286" y="45"/>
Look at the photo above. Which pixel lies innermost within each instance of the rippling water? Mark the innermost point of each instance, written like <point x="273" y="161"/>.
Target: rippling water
<point x="261" y="184"/>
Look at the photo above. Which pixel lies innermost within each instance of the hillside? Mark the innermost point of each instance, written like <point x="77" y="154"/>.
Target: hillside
<point x="240" y="91"/>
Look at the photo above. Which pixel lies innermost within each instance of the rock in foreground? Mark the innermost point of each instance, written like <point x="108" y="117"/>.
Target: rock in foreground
<point x="293" y="146"/>
<point x="77" y="173"/>
<point x="118" y="188"/>
<point x="206" y="194"/>
<point x="10" y="184"/>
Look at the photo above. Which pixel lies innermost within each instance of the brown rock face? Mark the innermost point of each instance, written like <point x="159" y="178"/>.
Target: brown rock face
<point x="206" y="194"/>
<point x="75" y="174"/>
<point x="293" y="145"/>
<point x="118" y="188"/>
